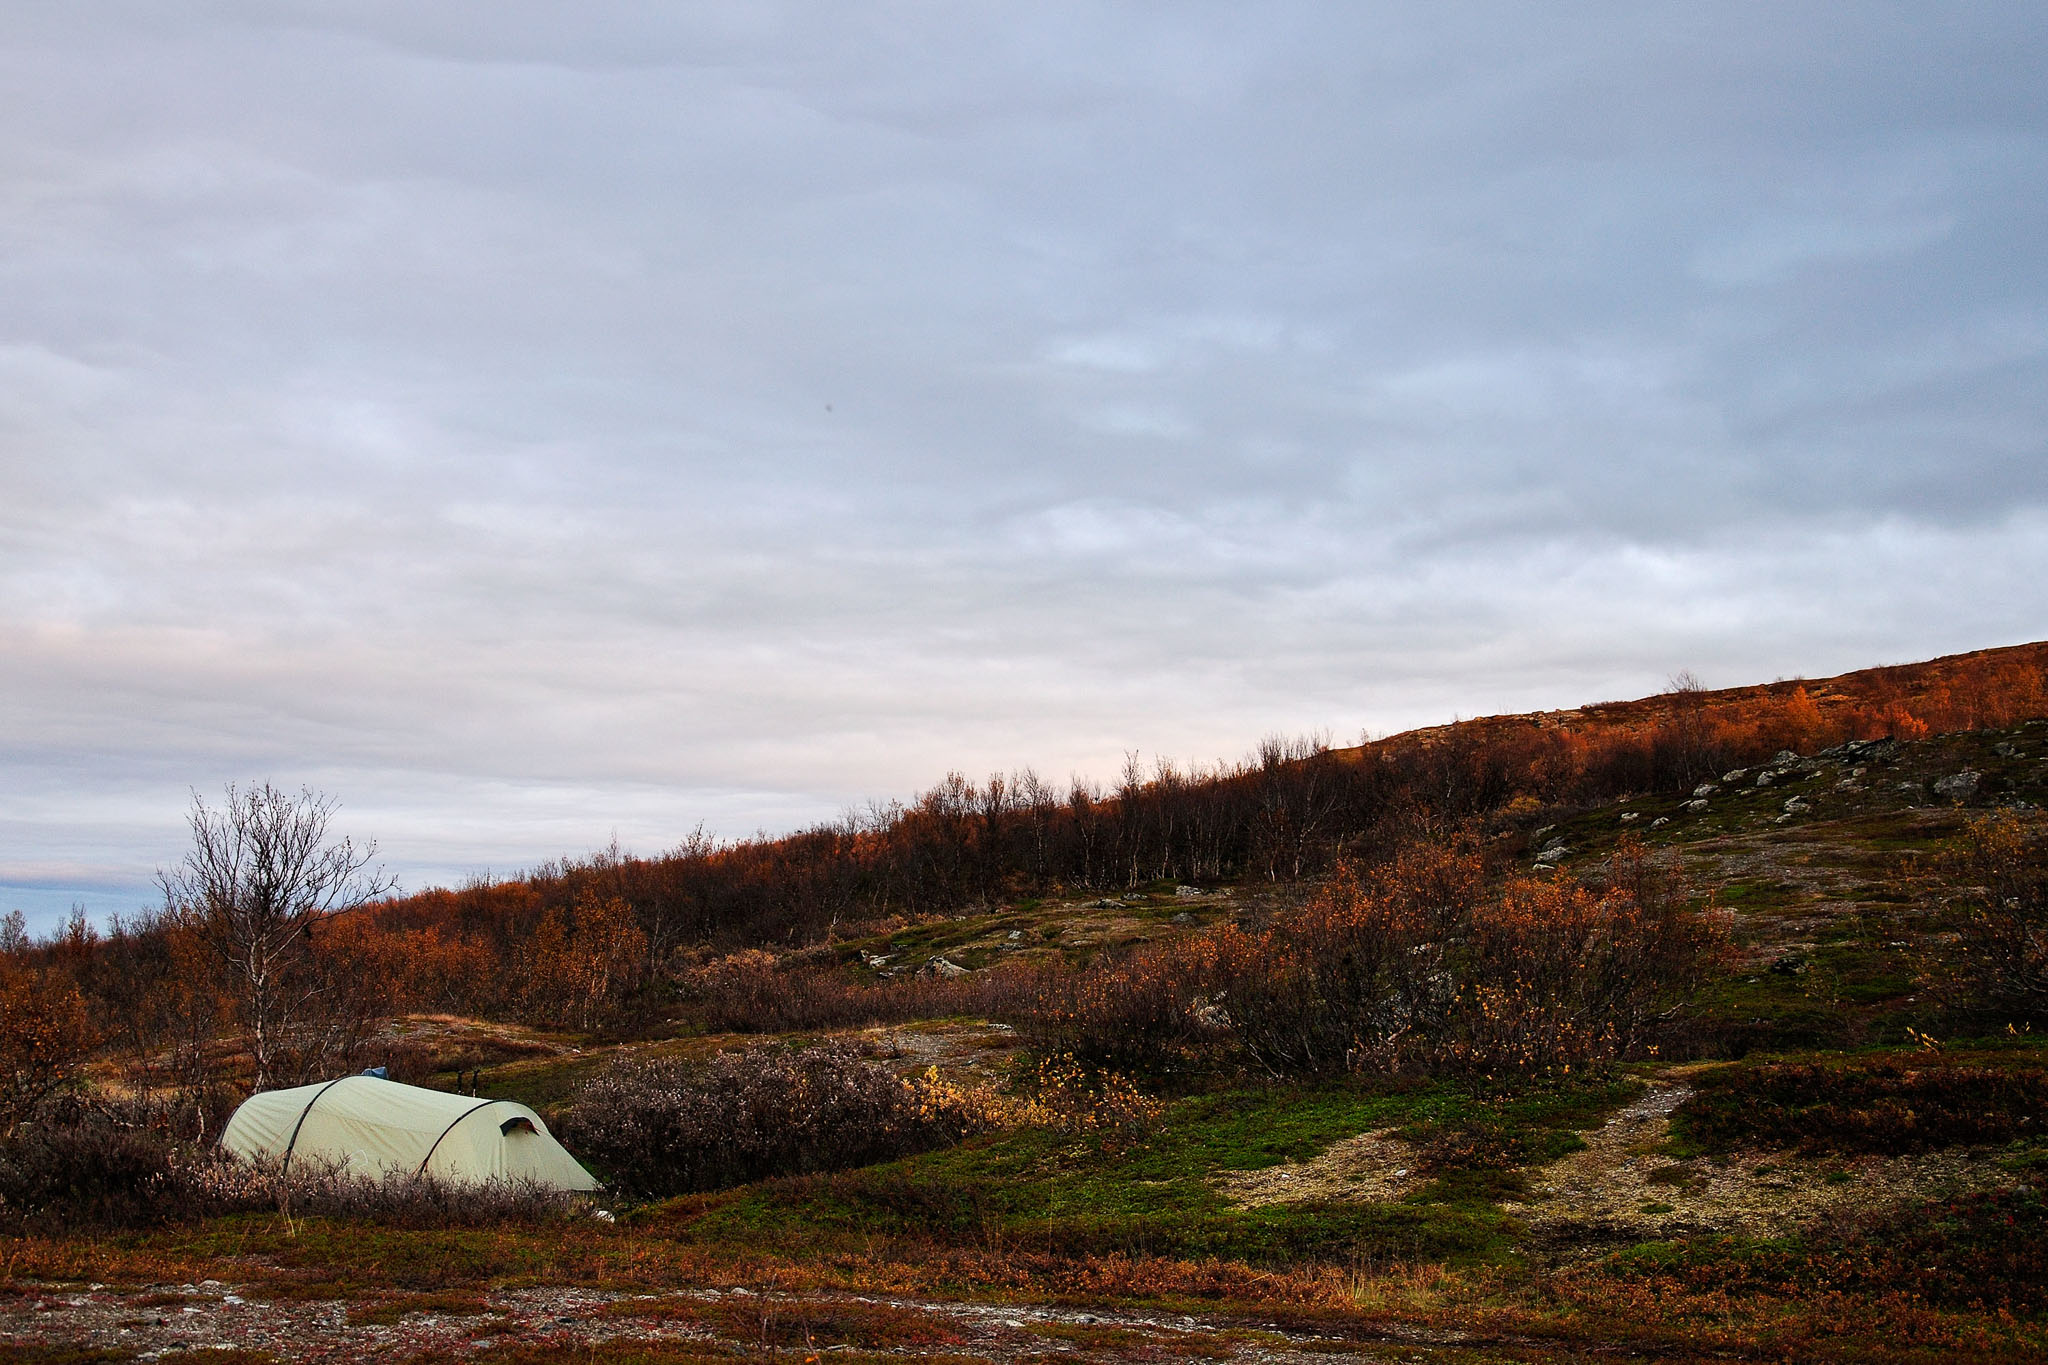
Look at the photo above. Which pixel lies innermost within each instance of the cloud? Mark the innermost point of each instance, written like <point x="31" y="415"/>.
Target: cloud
<point x="531" y="428"/>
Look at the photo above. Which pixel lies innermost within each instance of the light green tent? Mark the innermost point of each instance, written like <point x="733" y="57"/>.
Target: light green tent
<point x="380" y="1128"/>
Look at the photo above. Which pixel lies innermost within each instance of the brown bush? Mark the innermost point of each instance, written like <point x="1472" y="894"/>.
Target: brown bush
<point x="756" y="992"/>
<point x="1358" y="977"/>
<point x="45" y="1036"/>
<point x="659" y="1127"/>
<point x="1138" y="1011"/>
<point x="1409" y="966"/>
<point x="1559" y="974"/>
<point x="1997" y="964"/>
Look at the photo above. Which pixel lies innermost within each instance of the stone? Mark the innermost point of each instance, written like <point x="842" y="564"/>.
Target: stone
<point x="940" y="966"/>
<point x="1798" y="805"/>
<point x="1187" y="892"/>
<point x="1784" y="758"/>
<point x="1629" y="817"/>
<point x="1765" y="779"/>
<point x="1660" y="822"/>
<point x="1705" y="789"/>
<point x="1734" y="775"/>
<point x="1696" y="805"/>
<point x="1958" y="786"/>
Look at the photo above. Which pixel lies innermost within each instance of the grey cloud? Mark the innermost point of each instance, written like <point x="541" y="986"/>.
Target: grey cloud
<point x="535" y="424"/>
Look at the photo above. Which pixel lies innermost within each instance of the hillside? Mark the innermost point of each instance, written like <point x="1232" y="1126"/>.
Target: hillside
<point x="1535" y="1062"/>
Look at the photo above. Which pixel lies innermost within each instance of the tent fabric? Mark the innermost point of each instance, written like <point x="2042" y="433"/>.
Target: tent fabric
<point x="381" y="1128"/>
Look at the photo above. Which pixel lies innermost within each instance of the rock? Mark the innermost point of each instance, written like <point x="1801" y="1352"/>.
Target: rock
<point x="1696" y="805"/>
<point x="1958" y="786"/>
<point x="1660" y="822"/>
<point x="1784" y="758"/>
<point x="1734" y="776"/>
<point x="1187" y="892"/>
<point x="1629" y="817"/>
<point x="1552" y="851"/>
<point x="1798" y="805"/>
<point x="1183" y="918"/>
<point x="1765" y="779"/>
<point x="1791" y="964"/>
<point x="1705" y="789"/>
<point x="940" y="966"/>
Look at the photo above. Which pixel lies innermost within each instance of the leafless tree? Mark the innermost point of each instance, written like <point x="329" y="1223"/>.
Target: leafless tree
<point x="262" y="873"/>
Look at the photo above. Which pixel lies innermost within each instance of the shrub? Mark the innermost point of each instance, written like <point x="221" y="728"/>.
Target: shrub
<point x="1411" y="967"/>
<point x="45" y="1036"/>
<point x="1998" y="962"/>
<point x="94" y="1167"/>
<point x="1886" y="1107"/>
<point x="95" y="1163"/>
<point x="755" y="992"/>
<point x="1140" y="1011"/>
<point x="660" y="1127"/>
<point x="1062" y="1094"/>
<point x="1356" y="978"/>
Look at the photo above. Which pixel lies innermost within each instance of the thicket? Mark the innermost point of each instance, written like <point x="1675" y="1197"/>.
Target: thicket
<point x="1409" y="966"/>
<point x="659" y="1127"/>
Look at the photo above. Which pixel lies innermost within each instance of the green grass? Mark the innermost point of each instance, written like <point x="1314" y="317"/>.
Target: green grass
<point x="1041" y="1190"/>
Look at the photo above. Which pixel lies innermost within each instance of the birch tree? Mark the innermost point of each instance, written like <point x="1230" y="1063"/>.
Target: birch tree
<point x="262" y="873"/>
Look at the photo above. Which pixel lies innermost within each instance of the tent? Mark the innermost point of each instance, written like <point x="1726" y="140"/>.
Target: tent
<point x="381" y="1128"/>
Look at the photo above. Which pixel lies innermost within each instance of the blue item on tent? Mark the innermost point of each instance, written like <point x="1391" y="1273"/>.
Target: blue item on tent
<point x="380" y="1072"/>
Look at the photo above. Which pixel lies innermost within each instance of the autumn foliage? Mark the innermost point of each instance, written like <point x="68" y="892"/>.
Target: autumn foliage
<point x="1399" y="960"/>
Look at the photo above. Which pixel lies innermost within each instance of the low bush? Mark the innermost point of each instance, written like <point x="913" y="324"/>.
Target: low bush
<point x="98" y="1166"/>
<point x="1138" y="1011"/>
<point x="1887" y="1106"/>
<point x="1062" y="1094"/>
<point x="1994" y="964"/>
<point x="92" y="1163"/>
<point x="756" y="992"/>
<point x="661" y="1127"/>
<point x="1411" y="967"/>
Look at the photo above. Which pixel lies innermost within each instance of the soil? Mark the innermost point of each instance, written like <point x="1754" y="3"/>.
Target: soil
<point x="166" y="1322"/>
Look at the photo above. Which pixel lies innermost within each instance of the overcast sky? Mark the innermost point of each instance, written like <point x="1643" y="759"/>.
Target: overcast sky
<point x="530" y="423"/>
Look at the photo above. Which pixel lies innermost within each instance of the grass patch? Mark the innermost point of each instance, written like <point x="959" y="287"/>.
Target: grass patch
<point x="1049" y="1193"/>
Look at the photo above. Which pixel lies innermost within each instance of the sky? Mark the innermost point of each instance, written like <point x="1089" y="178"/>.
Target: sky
<point x="537" y="424"/>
